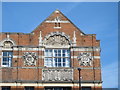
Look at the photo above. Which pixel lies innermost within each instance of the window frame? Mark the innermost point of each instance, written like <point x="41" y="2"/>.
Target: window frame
<point x="86" y="87"/>
<point x="10" y="61"/>
<point x="53" y="88"/>
<point x="29" y="87"/>
<point x="8" y="87"/>
<point x="54" y="56"/>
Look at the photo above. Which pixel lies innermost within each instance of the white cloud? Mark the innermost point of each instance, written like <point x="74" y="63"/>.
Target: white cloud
<point x="110" y="75"/>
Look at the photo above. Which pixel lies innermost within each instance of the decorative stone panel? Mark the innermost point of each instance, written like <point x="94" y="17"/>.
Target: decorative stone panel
<point x="29" y="58"/>
<point x="57" y="39"/>
<point x="8" y="44"/>
<point x="85" y="59"/>
<point x="57" y="74"/>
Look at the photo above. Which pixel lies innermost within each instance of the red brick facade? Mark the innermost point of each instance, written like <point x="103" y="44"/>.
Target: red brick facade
<point x="20" y="75"/>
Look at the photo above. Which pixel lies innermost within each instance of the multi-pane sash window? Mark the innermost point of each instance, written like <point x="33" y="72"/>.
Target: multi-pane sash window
<point x="29" y="88"/>
<point x="7" y="58"/>
<point x="5" y="88"/>
<point x="58" y="88"/>
<point x="57" y="58"/>
<point x="86" y="88"/>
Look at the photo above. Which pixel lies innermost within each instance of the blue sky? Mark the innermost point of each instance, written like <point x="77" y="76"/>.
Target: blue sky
<point x="91" y="17"/>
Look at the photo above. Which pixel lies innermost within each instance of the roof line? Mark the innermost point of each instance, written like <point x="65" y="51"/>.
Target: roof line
<point x="42" y="22"/>
<point x="64" y="16"/>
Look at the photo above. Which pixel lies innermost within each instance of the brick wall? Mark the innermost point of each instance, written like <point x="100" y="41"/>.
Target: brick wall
<point x="19" y="71"/>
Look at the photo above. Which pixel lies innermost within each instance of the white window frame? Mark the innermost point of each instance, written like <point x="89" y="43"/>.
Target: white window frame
<point x="10" y="61"/>
<point x="53" y="57"/>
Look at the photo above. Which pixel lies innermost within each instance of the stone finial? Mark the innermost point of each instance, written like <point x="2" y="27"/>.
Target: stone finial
<point x="74" y="38"/>
<point x="40" y="39"/>
<point x="8" y="36"/>
<point x="56" y="11"/>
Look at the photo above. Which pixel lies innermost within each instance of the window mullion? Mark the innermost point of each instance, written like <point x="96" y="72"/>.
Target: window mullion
<point x="61" y="57"/>
<point x="53" y="57"/>
<point x="56" y="57"/>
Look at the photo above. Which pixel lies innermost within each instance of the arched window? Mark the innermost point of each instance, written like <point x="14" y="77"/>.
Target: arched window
<point x="7" y="55"/>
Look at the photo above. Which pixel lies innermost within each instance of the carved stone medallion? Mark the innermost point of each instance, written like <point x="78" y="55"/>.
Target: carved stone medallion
<point x="30" y="58"/>
<point x="85" y="59"/>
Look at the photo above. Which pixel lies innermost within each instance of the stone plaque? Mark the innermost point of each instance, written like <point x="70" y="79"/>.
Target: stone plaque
<point x="29" y="58"/>
<point x="57" y="74"/>
<point x="85" y="59"/>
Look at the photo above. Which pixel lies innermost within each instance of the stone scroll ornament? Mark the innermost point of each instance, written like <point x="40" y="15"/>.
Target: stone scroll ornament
<point x="29" y="58"/>
<point x="57" y="39"/>
<point x="85" y="59"/>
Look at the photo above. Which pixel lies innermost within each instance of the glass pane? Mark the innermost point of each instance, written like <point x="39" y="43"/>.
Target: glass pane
<point x="7" y="54"/>
<point x="63" y="64"/>
<point x="67" y="53"/>
<point x="55" y="62"/>
<point x="6" y="61"/>
<point x="59" y="64"/>
<point x="55" y="53"/>
<point x="10" y="54"/>
<point x="63" y="51"/>
<point x="4" y="53"/>
<point x="67" y="62"/>
<point x="48" y="53"/>
<point x="64" y="60"/>
<point x="48" y="62"/>
<point x="9" y="59"/>
<point x="59" y="60"/>
<point x="45" y="62"/>
<point x="59" y="53"/>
